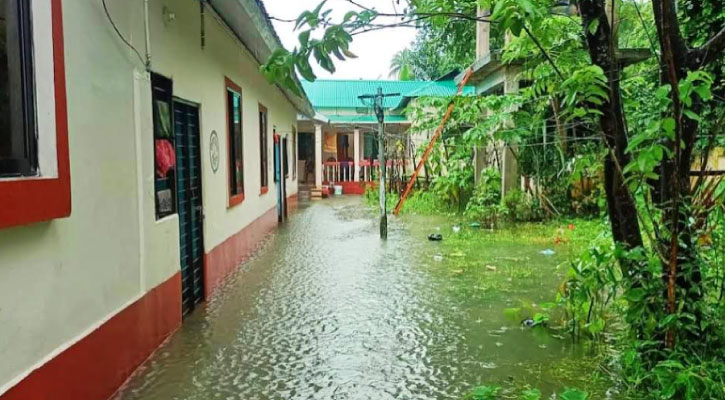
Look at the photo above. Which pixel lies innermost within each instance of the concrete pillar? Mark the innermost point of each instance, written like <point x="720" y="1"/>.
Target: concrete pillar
<point x="510" y="179"/>
<point x="356" y="153"/>
<point x="483" y="35"/>
<point x="318" y="156"/>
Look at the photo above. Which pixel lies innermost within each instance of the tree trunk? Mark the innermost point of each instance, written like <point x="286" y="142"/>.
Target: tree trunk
<point x="620" y="203"/>
<point x="675" y="184"/>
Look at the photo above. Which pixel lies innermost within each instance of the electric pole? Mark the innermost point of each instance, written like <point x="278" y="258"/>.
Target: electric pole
<point x="379" y="108"/>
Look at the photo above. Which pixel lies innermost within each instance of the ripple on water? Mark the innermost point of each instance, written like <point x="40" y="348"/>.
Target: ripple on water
<point x="325" y="310"/>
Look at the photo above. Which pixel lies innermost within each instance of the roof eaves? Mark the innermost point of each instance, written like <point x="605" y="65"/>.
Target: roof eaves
<point x="258" y="14"/>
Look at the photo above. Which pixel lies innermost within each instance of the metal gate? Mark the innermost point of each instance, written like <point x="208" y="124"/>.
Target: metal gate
<point x="188" y="184"/>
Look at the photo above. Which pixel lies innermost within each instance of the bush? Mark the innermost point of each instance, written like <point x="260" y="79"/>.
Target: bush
<point x="485" y="203"/>
<point x="520" y="207"/>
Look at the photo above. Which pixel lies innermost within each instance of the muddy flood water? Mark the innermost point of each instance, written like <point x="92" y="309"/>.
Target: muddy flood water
<point x="325" y="310"/>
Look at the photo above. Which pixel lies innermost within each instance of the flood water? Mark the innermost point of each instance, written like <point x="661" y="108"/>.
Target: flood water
<point x="325" y="310"/>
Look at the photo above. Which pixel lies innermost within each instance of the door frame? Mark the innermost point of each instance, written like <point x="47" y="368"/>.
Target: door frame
<point x="202" y="217"/>
<point x="279" y="177"/>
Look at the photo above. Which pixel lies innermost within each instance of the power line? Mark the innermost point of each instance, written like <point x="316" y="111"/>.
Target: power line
<point x="120" y="35"/>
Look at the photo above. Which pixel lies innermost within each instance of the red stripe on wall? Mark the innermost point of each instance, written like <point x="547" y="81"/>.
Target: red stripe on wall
<point x="226" y="257"/>
<point x="292" y="202"/>
<point x="97" y="365"/>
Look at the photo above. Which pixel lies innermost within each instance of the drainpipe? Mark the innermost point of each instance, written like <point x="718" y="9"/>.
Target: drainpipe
<point x="147" y="33"/>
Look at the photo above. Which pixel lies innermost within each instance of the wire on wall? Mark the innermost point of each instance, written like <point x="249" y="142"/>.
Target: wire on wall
<point x="120" y="35"/>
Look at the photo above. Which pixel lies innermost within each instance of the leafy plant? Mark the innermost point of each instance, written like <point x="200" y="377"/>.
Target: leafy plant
<point x="483" y="393"/>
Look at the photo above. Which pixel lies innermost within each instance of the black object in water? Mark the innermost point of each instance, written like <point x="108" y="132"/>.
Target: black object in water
<point x="435" y="237"/>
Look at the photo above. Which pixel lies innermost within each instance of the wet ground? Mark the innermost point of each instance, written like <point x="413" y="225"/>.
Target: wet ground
<point x="325" y="310"/>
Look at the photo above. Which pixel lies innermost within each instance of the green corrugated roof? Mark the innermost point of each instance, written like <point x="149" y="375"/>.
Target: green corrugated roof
<point x="345" y="93"/>
<point x="441" y="89"/>
<point x="365" y="119"/>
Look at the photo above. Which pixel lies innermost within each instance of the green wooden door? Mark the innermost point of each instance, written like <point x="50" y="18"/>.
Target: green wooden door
<point x="189" y="203"/>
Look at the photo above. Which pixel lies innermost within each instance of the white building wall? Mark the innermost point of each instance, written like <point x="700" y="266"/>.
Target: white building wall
<point x="198" y="76"/>
<point x="62" y="279"/>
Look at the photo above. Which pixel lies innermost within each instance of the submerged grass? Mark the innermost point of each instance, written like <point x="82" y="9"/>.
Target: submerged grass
<point x="512" y="273"/>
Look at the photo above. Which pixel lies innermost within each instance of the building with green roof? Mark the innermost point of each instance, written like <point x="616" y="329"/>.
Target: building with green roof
<point x="338" y="145"/>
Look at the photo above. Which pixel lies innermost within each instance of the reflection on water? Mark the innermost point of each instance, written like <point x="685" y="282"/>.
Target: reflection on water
<point x="326" y="310"/>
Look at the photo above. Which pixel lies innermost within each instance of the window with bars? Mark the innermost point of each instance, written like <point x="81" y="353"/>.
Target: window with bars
<point x="18" y="139"/>
<point x="236" y="154"/>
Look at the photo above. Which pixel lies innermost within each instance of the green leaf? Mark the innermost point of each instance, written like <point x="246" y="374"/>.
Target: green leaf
<point x="348" y="53"/>
<point x="304" y="38"/>
<point x="531" y="394"/>
<point x="349" y="16"/>
<point x="517" y="26"/>
<point x="669" y="125"/>
<point x="596" y="327"/>
<point x="703" y="91"/>
<point x="691" y="115"/>
<point x="483" y="393"/>
<point x="635" y="295"/>
<point x="594" y="26"/>
<point x="574" y="394"/>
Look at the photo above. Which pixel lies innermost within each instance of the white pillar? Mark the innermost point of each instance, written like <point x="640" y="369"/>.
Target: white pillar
<point x="483" y="35"/>
<point x="356" y="152"/>
<point x="318" y="156"/>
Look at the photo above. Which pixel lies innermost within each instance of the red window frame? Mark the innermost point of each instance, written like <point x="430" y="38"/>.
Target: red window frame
<point x="28" y="200"/>
<point x="234" y="199"/>
<point x="264" y="150"/>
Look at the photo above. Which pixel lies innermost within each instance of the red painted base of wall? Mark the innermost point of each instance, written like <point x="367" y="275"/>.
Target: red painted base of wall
<point x="292" y="203"/>
<point x="226" y="257"/>
<point x="96" y="366"/>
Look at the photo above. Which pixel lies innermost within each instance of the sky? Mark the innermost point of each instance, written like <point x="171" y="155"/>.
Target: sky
<point x="375" y="50"/>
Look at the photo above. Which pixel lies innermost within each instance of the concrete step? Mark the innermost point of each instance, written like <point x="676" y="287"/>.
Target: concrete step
<point x="304" y="195"/>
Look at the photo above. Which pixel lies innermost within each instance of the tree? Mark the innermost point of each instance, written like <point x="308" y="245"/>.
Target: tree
<point x="401" y="66"/>
<point x="651" y="144"/>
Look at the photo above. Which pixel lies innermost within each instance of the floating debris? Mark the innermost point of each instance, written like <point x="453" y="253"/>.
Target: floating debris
<point x="438" y="257"/>
<point x="529" y="323"/>
<point x="487" y="365"/>
<point x="456" y="228"/>
<point x="435" y="237"/>
<point x="491" y="268"/>
<point x="499" y="332"/>
<point x="514" y="259"/>
<point x="475" y="225"/>
<point x="548" y="252"/>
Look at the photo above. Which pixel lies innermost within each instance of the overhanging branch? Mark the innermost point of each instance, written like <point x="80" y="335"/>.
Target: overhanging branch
<point x="709" y="52"/>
